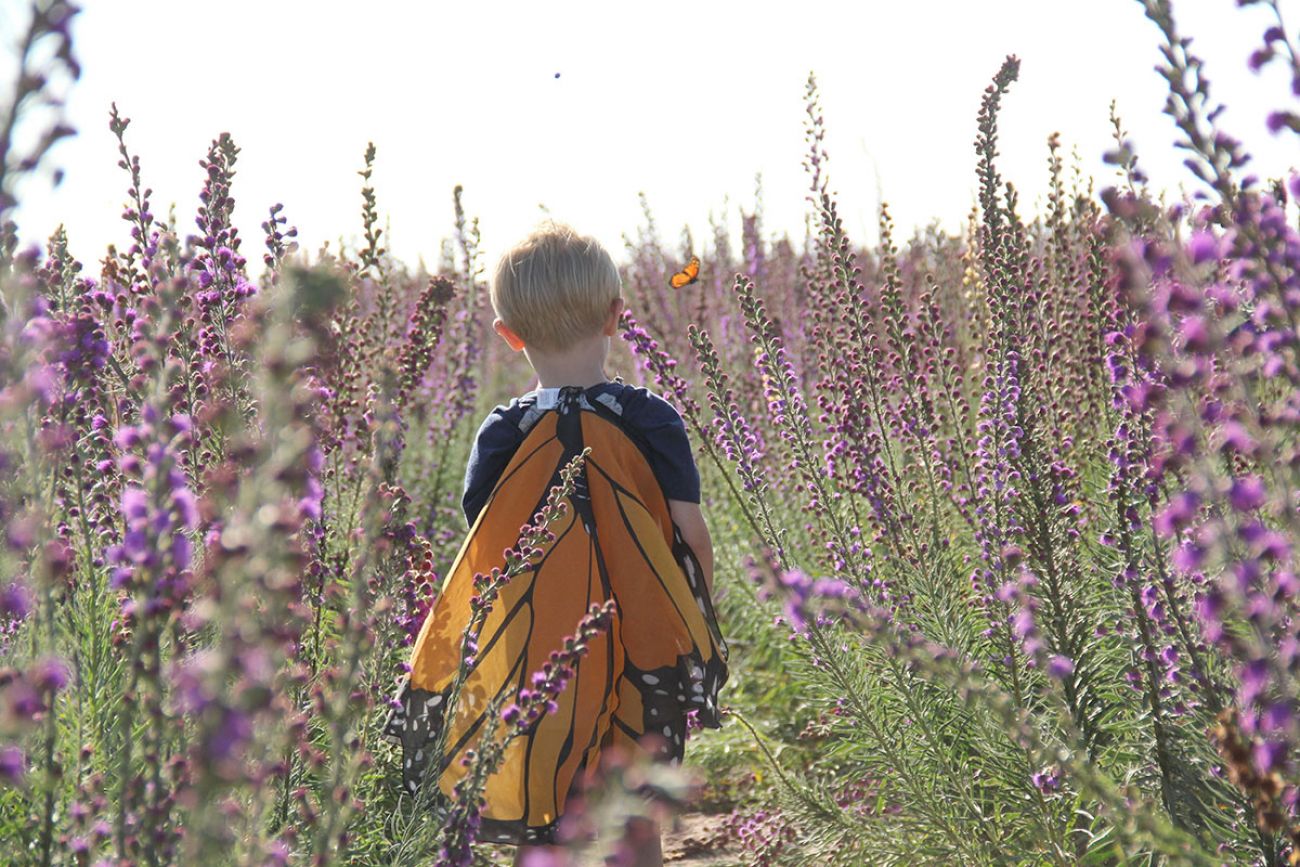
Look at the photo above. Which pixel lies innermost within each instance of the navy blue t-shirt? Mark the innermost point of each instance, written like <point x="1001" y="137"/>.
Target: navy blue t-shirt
<point x="644" y="413"/>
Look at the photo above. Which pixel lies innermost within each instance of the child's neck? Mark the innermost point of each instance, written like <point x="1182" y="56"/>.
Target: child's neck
<point x="582" y="364"/>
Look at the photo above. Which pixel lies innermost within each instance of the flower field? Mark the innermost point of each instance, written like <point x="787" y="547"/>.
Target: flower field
<point x="1006" y="521"/>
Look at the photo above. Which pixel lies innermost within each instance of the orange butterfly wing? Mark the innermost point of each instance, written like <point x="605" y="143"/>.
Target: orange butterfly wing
<point x="662" y="656"/>
<point x="687" y="275"/>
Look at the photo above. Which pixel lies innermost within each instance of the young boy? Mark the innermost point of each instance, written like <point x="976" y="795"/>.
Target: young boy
<point x="558" y="300"/>
<point x="633" y="533"/>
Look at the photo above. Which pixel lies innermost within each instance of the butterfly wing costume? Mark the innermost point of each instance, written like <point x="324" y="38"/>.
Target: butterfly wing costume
<point x="662" y="656"/>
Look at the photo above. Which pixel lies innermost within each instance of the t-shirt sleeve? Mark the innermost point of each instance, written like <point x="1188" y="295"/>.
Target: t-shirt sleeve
<point x="494" y="445"/>
<point x="670" y="454"/>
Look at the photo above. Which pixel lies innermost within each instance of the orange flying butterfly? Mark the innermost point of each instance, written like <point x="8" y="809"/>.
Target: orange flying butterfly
<point x="687" y="275"/>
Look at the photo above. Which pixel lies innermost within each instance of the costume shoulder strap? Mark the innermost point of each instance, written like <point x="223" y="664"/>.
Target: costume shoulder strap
<point x="610" y="402"/>
<point x="538" y="402"/>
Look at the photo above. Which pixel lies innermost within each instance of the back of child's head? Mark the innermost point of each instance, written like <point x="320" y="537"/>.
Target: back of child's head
<point x="555" y="287"/>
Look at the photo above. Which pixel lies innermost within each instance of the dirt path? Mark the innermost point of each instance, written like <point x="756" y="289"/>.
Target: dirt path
<point x="693" y="842"/>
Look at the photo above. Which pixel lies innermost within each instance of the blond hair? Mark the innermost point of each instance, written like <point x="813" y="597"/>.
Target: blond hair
<point x="555" y="287"/>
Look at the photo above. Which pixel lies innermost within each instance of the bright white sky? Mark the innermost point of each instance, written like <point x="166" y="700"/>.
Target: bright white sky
<point x="685" y="101"/>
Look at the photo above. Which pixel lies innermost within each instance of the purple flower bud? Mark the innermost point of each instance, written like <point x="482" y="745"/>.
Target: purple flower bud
<point x="182" y="551"/>
<point x="1236" y="438"/>
<point x="186" y="507"/>
<point x="1177" y="514"/>
<point x="1278" y="717"/>
<point x="1022" y="624"/>
<point x="135" y="504"/>
<point x="1254" y="680"/>
<point x="1270" y="756"/>
<point x="13" y="764"/>
<point x="15" y="601"/>
<point x="1203" y="247"/>
<point x="1048" y="780"/>
<point x="21" y="533"/>
<point x="50" y="674"/>
<point x="1278" y="121"/>
<point x="1247" y="493"/>
<point x="1196" y="334"/>
<point x="1188" y="557"/>
<point x="1060" y="667"/>
<point x="127" y="437"/>
<point x="228" y="740"/>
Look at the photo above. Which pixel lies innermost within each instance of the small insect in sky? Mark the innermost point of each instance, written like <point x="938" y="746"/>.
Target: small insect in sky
<point x="687" y="275"/>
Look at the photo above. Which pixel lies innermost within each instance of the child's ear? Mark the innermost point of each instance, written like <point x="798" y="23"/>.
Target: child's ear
<point x="514" y="341"/>
<point x="611" y="318"/>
